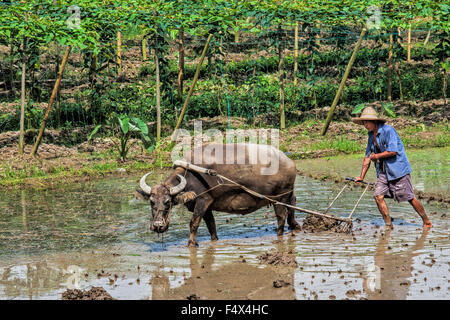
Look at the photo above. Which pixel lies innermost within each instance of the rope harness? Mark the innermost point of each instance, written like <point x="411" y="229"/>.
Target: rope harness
<point x="189" y="166"/>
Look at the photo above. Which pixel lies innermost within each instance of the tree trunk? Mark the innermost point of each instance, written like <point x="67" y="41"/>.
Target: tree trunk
<point x="22" y="101"/>
<point x="295" y="53"/>
<point x="158" y="97"/>
<point x="390" y="57"/>
<point x="119" y="53"/>
<point x="180" y="64"/>
<point x="341" y="85"/>
<point x="52" y="99"/>
<point x="194" y="81"/>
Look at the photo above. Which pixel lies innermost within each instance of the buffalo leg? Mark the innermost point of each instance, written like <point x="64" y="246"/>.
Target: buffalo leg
<point x="201" y="206"/>
<point x="293" y="225"/>
<point x="211" y="224"/>
<point x="280" y="212"/>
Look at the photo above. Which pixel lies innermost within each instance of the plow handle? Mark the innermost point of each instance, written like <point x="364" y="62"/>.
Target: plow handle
<point x="364" y="182"/>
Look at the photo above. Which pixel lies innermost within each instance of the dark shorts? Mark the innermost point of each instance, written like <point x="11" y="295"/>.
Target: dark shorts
<point x="400" y="189"/>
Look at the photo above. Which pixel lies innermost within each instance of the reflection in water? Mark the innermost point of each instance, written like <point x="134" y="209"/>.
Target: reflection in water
<point x="236" y="278"/>
<point x="388" y="279"/>
<point x="24" y="211"/>
<point x="29" y="280"/>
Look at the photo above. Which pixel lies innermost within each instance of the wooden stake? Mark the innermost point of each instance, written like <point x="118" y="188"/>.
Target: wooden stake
<point x="52" y="99"/>
<point x="342" y="84"/>
<point x="194" y="81"/>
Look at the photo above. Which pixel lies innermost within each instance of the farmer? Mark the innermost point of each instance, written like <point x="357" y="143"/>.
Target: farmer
<point x="391" y="163"/>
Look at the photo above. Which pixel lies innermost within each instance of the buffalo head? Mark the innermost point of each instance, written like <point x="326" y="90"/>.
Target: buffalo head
<point x="162" y="198"/>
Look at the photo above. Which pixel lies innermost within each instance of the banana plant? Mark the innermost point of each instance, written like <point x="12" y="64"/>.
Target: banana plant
<point x="125" y="127"/>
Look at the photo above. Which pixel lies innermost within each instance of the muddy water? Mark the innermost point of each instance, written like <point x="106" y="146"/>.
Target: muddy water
<point x="97" y="235"/>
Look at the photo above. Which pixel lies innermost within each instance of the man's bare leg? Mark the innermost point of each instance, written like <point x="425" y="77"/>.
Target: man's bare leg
<point x="421" y="211"/>
<point x="382" y="207"/>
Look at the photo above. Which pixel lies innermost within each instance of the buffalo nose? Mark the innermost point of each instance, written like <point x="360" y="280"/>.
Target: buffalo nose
<point x="158" y="223"/>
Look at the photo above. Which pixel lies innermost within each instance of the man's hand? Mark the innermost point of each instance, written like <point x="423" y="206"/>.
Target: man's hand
<point x="358" y="179"/>
<point x="374" y="157"/>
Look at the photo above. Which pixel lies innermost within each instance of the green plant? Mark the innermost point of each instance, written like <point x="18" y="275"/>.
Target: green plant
<point x="126" y="127"/>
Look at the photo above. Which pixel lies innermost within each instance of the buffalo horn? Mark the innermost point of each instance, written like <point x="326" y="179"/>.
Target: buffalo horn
<point x="144" y="186"/>
<point x="178" y="188"/>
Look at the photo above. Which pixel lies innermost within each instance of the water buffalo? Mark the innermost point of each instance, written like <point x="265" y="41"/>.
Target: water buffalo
<point x="261" y="168"/>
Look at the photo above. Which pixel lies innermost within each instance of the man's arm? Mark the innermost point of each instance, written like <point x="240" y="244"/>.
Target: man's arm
<point x="365" y="167"/>
<point x="382" y="155"/>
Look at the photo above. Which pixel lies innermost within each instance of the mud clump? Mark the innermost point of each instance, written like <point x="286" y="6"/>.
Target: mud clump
<point x="280" y="284"/>
<point x="95" y="293"/>
<point x="313" y="223"/>
<point x="278" y="259"/>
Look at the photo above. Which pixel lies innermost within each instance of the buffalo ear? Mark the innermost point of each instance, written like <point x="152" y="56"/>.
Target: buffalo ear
<point x="184" y="197"/>
<point x="139" y="194"/>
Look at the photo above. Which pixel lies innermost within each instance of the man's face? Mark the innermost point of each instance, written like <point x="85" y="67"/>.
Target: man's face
<point x="370" y="125"/>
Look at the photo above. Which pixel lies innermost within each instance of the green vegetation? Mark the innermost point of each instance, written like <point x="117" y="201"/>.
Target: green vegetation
<point x="132" y="63"/>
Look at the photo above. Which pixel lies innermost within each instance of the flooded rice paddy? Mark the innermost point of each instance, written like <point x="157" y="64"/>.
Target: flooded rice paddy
<point x="97" y="234"/>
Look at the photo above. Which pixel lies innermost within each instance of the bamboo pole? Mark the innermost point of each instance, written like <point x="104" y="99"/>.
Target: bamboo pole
<point x="342" y="84"/>
<point x="158" y="97"/>
<point x="427" y="38"/>
<point x="52" y="99"/>
<point x="119" y="53"/>
<point x="92" y="70"/>
<point x="144" y="48"/>
<point x="390" y="58"/>
<point x="295" y="52"/>
<point x="22" y="101"/>
<point x="194" y="81"/>
<point x="180" y="63"/>
<point x="409" y="45"/>
<point x="399" y="75"/>
<point x="281" y="81"/>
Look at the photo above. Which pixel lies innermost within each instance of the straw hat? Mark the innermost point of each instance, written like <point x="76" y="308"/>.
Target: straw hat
<point x="368" y="114"/>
